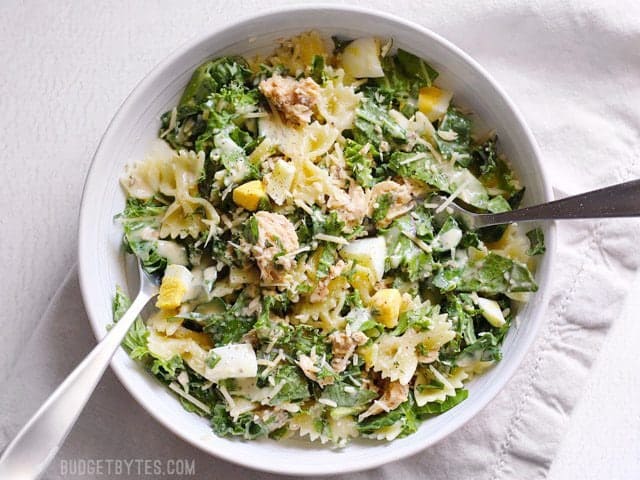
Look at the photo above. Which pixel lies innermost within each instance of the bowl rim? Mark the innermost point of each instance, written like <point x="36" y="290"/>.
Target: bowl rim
<point x="85" y="219"/>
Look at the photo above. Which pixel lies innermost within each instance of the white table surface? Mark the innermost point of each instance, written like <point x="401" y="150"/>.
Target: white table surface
<point x="65" y="68"/>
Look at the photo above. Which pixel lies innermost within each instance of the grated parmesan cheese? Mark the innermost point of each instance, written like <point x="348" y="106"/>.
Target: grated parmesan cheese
<point x="419" y="243"/>
<point x="273" y="363"/>
<point x="452" y="197"/>
<point x="328" y="402"/>
<point x="415" y="158"/>
<point x="274" y="392"/>
<point x="331" y="238"/>
<point x="176" y="388"/>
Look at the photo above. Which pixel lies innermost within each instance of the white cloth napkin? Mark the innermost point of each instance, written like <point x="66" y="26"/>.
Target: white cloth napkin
<point x="573" y="70"/>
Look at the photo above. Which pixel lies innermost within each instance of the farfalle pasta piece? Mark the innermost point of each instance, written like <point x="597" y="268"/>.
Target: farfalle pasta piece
<point x="337" y="103"/>
<point x="395" y="357"/>
<point x="425" y="390"/>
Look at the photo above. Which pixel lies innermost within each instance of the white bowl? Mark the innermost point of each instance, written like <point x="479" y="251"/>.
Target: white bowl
<point x="135" y="125"/>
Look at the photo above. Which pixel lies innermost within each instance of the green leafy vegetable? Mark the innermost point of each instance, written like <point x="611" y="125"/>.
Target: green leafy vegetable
<point x="416" y="68"/>
<point x="135" y="342"/>
<point x="228" y="155"/>
<point x="494" y="173"/>
<point x="404" y="414"/>
<point x="461" y="311"/>
<point x="449" y="227"/>
<point x="216" y="97"/>
<point x="402" y="252"/>
<point x="328" y="257"/>
<point x="443" y="176"/>
<point x="360" y="162"/>
<point x="251" y="230"/>
<point x="498" y="204"/>
<point x="454" y="137"/>
<point x="383" y="203"/>
<point x="301" y="339"/>
<point x="317" y="69"/>
<point x="332" y="225"/>
<point x="374" y="125"/>
<point x="210" y="77"/>
<point x="486" y="348"/>
<point x="295" y="385"/>
<point x="212" y="359"/>
<point x="167" y="369"/>
<point x="493" y="274"/>
<point x="351" y="397"/>
<point x="354" y="300"/>
<point x="244" y="426"/>
<point x="230" y="325"/>
<point x="318" y="222"/>
<point x="435" y="408"/>
<point x="417" y="318"/>
<point x="536" y="242"/>
<point x="404" y="75"/>
<point x="138" y="217"/>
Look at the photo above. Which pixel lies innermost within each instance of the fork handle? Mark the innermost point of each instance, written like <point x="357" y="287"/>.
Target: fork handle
<point x="622" y="200"/>
<point x="28" y="455"/>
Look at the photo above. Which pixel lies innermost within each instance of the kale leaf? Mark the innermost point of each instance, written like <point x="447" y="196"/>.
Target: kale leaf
<point x="230" y="325"/>
<point x="167" y="370"/>
<point x="486" y="348"/>
<point x="135" y="342"/>
<point x="417" y="318"/>
<point x="404" y="413"/>
<point x="217" y="96"/>
<point x="536" y="242"/>
<point x="211" y="76"/>
<point x="456" y="128"/>
<point x="435" y="408"/>
<point x="374" y="125"/>
<point x="295" y="385"/>
<point x="494" y="173"/>
<point x="461" y="311"/>
<point x="244" y="426"/>
<point x="137" y="216"/>
<point x="382" y="205"/>
<point x="404" y="75"/>
<point x="360" y="162"/>
<point x="352" y="397"/>
<point x="402" y="252"/>
<point x="422" y="166"/>
<point x="493" y="274"/>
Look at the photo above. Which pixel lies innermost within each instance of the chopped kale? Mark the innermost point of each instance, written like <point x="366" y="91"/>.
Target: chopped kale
<point x="536" y="242"/>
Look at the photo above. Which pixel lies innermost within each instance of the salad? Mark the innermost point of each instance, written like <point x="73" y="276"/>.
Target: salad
<point x="310" y="286"/>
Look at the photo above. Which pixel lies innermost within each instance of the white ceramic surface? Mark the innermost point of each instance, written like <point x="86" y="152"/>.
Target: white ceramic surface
<point x="101" y="259"/>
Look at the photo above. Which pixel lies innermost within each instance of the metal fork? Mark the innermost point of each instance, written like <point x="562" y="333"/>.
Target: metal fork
<point x="28" y="455"/>
<point x="621" y="200"/>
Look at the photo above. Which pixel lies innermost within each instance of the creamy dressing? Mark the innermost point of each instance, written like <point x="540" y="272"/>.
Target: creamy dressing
<point x="174" y="253"/>
<point x="449" y="239"/>
<point x="357" y="317"/>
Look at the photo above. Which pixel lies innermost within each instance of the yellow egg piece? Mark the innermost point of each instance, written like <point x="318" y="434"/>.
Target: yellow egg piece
<point x="385" y="306"/>
<point x="248" y="195"/>
<point x="367" y="354"/>
<point x="175" y="285"/>
<point x="172" y="291"/>
<point x="434" y="102"/>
